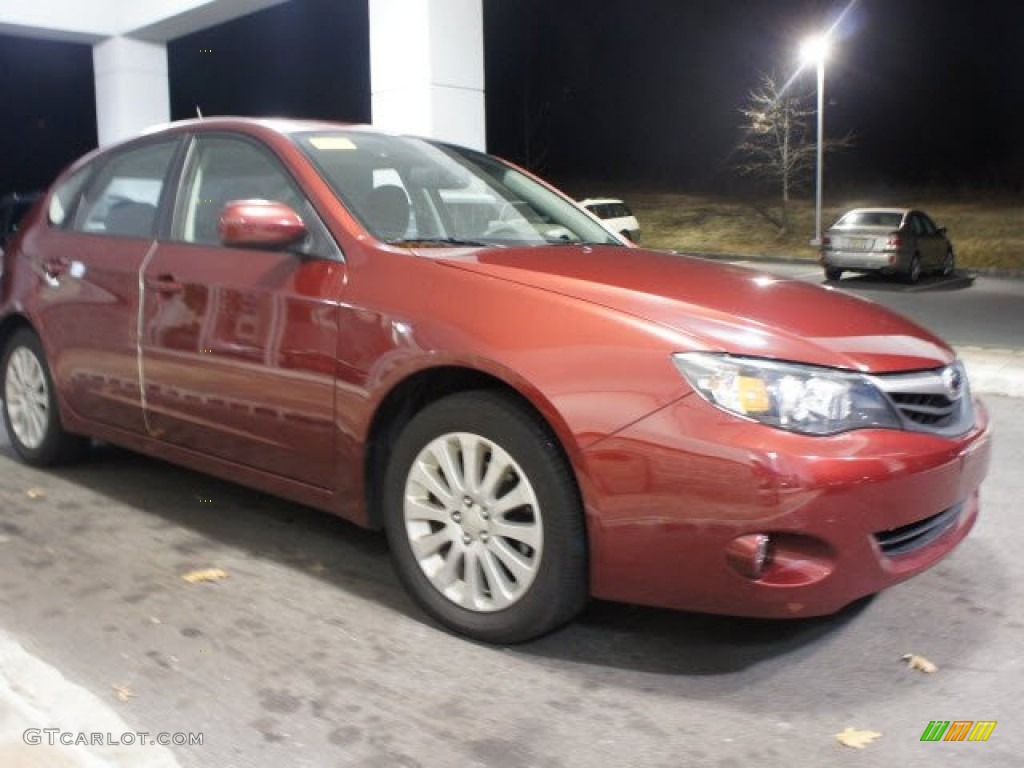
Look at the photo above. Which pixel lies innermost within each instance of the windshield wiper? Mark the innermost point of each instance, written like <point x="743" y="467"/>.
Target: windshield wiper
<point x="442" y="241"/>
<point x="563" y="241"/>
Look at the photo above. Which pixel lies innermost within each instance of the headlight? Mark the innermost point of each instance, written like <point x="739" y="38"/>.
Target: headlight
<point x="800" y="398"/>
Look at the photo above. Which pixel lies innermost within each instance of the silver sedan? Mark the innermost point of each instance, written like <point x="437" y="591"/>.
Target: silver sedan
<point x="898" y="241"/>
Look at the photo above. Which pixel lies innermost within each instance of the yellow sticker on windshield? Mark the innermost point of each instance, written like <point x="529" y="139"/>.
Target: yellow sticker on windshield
<point x="332" y="142"/>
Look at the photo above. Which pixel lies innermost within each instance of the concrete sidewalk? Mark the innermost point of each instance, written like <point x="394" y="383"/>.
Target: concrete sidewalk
<point x="994" y="371"/>
<point x="35" y="697"/>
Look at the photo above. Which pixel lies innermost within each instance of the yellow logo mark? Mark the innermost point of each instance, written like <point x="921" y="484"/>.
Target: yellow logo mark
<point x="982" y="730"/>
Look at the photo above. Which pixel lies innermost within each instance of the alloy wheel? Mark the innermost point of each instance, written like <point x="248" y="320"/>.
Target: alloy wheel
<point x="27" y="398"/>
<point x="949" y="263"/>
<point x="473" y="522"/>
<point x="915" y="269"/>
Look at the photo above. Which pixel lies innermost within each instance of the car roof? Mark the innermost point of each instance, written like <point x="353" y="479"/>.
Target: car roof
<point x="267" y="127"/>
<point x="284" y="125"/>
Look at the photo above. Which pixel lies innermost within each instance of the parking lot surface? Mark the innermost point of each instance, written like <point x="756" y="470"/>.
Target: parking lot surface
<point x="308" y="653"/>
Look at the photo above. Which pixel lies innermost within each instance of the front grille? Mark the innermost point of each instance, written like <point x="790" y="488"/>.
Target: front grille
<point x="927" y="401"/>
<point x="929" y="410"/>
<point x="907" y="538"/>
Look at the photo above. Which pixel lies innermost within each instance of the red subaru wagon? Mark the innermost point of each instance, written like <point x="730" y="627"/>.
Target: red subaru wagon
<point x="423" y="338"/>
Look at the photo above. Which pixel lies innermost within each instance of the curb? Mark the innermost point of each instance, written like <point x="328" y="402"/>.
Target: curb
<point x="35" y="696"/>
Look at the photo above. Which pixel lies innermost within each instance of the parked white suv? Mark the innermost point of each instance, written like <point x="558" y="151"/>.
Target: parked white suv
<point x="615" y="214"/>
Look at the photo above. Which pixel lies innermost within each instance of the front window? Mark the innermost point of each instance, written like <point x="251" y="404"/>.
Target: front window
<point x="411" y="191"/>
<point x="222" y="169"/>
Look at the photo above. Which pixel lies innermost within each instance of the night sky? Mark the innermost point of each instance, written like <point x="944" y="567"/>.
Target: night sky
<point x="631" y="92"/>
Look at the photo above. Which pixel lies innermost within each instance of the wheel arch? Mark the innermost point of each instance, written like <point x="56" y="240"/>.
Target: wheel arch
<point x="59" y="444"/>
<point x="10" y="325"/>
<point x="416" y="391"/>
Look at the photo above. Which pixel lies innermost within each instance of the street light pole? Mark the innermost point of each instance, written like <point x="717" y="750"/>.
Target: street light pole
<point x="821" y="150"/>
<point x="815" y="50"/>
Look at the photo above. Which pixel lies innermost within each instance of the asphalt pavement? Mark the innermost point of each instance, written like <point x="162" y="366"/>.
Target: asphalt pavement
<point x="303" y="649"/>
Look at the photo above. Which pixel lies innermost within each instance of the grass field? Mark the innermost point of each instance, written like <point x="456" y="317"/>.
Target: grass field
<point x="986" y="232"/>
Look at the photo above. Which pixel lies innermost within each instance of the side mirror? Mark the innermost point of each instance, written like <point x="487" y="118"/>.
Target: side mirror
<point x="260" y="224"/>
<point x="942" y="231"/>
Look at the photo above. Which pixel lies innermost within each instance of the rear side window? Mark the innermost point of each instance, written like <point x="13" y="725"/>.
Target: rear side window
<point x="124" y="195"/>
<point x="65" y="197"/>
<point x="610" y="210"/>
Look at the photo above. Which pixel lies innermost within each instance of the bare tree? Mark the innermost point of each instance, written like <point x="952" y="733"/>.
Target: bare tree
<point x="778" y="145"/>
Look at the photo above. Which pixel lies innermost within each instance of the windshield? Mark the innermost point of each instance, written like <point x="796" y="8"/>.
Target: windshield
<point x="416" y="192"/>
<point x="871" y="219"/>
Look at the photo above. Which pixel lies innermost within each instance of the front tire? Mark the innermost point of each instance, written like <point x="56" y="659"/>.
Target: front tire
<point x="484" y="519"/>
<point x="833" y="273"/>
<point x="31" y="412"/>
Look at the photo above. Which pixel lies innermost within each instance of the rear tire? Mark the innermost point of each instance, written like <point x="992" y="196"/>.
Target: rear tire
<point x="913" y="274"/>
<point x="949" y="263"/>
<point x="484" y="519"/>
<point x="31" y="410"/>
<point x="833" y="273"/>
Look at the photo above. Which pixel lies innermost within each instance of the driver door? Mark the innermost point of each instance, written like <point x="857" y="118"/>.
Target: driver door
<point x="238" y="343"/>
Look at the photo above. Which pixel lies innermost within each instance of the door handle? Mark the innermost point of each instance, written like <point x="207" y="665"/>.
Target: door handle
<point x="164" y="284"/>
<point x="55" y="266"/>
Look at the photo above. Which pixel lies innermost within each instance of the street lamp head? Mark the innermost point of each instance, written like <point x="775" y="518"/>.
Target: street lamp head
<point x="814" y="50"/>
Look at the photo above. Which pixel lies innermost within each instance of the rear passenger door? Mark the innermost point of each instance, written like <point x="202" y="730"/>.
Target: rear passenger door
<point x="102" y="226"/>
<point x="933" y="244"/>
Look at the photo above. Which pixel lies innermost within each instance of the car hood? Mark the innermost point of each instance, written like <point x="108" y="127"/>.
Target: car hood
<point x="720" y="307"/>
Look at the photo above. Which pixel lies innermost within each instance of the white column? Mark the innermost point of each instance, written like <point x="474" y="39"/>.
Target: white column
<point x="131" y="87"/>
<point x="427" y="69"/>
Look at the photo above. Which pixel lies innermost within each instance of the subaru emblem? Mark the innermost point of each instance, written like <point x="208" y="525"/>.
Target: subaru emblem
<point x="953" y="380"/>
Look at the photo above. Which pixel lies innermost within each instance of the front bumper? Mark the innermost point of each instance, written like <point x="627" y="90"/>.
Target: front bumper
<point x="668" y="497"/>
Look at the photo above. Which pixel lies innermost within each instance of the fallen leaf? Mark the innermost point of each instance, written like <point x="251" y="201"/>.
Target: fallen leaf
<point x="123" y="692"/>
<point x="35" y="493"/>
<point x="920" y="662"/>
<point x="858" y="739"/>
<point x="155" y="620"/>
<point x="205" y="574"/>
